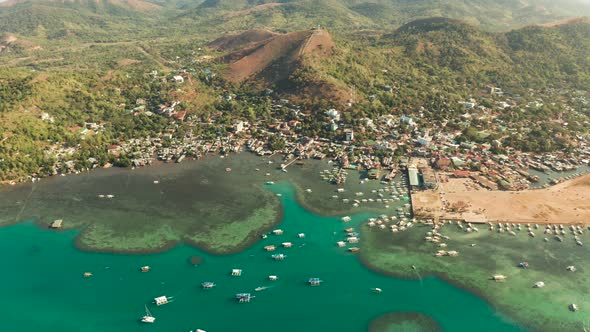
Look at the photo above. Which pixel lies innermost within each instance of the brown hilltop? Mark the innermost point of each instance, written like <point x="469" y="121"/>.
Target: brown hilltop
<point x="241" y="40"/>
<point x="268" y="59"/>
<point x="274" y="57"/>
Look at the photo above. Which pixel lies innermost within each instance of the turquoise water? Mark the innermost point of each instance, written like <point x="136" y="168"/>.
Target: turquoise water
<point x="43" y="288"/>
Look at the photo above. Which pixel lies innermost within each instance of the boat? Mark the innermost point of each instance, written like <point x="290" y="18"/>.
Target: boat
<point x="498" y="277"/>
<point x="354" y="249"/>
<point x="270" y="248"/>
<point x="145" y="268"/>
<point x="110" y="196"/>
<point x="236" y="272"/>
<point x="208" y="285"/>
<point x="156" y="181"/>
<point x="346" y="218"/>
<point x="244" y="297"/>
<point x="264" y="236"/>
<point x="100" y="196"/>
<point x="87" y="274"/>
<point x="148" y="318"/>
<point x="376" y="290"/>
<point x="524" y="265"/>
<point x="228" y="169"/>
<point x="279" y="257"/>
<point x="270" y="182"/>
<point x="273" y="278"/>
<point x="539" y="284"/>
<point x="161" y="300"/>
<point x="260" y="288"/>
<point x="315" y="281"/>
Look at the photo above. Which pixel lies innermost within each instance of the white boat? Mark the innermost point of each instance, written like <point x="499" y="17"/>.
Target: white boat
<point x="110" y="196"/>
<point x="161" y="300"/>
<point x="148" y="318"/>
<point x="376" y="290"/>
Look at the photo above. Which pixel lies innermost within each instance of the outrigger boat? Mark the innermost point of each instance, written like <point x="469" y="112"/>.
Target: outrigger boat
<point x="244" y="297"/>
<point x="148" y="318"/>
<point x="208" y="285"/>
<point x="161" y="300"/>
<point x="315" y="281"/>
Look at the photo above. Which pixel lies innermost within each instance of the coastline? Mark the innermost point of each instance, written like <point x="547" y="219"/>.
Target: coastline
<point x="516" y="299"/>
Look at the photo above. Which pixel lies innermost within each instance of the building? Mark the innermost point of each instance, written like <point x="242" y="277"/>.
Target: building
<point x="413" y="176"/>
<point x="334" y="114"/>
<point x="407" y="120"/>
<point x="239" y="126"/>
<point x="348" y="135"/>
<point x="424" y="141"/>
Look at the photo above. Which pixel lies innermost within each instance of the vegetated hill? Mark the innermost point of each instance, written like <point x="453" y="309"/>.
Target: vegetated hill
<point x="448" y="43"/>
<point x="278" y="61"/>
<point x="534" y="54"/>
<point x="285" y="15"/>
<point x="98" y="5"/>
<point x="87" y="20"/>
<point x="347" y="14"/>
<point x="491" y="15"/>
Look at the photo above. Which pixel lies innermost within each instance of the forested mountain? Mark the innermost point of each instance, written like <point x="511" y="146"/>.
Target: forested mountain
<point x="114" y="18"/>
<point x="65" y="64"/>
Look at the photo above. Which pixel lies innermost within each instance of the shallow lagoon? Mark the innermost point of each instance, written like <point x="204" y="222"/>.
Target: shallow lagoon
<point x="45" y="291"/>
<point x="195" y="202"/>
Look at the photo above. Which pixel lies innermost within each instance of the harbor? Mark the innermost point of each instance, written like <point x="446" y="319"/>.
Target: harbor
<point x="364" y="210"/>
<point x="208" y="309"/>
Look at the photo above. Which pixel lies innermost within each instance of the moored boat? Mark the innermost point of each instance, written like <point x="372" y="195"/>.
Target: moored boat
<point x="148" y="318"/>
<point x="208" y="285"/>
<point x="315" y="281"/>
<point x="161" y="300"/>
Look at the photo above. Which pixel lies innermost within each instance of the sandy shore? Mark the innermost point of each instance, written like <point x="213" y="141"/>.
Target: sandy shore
<point x="565" y="203"/>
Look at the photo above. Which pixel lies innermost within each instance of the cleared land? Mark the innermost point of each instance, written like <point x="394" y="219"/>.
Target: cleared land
<point x="565" y="203"/>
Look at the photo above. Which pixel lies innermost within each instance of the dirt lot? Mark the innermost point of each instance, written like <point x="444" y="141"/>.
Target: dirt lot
<point x="566" y="203"/>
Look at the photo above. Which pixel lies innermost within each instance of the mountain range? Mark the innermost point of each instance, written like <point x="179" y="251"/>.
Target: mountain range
<point x="100" y="20"/>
